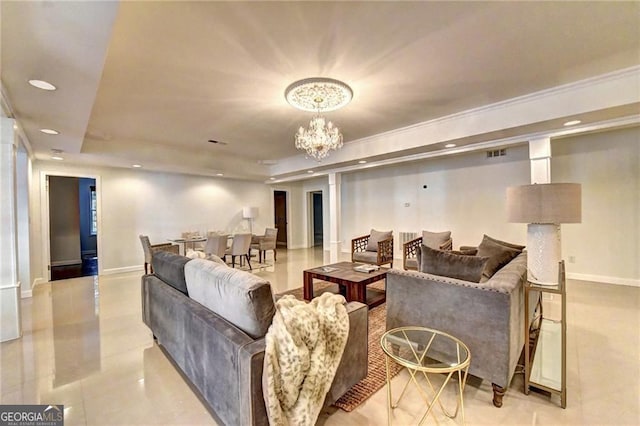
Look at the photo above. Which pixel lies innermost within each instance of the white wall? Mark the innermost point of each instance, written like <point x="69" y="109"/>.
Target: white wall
<point x="161" y="205"/>
<point x="605" y="245"/>
<point x="465" y="194"/>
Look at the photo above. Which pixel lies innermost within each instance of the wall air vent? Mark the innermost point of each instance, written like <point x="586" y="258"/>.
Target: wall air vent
<point x="496" y="153"/>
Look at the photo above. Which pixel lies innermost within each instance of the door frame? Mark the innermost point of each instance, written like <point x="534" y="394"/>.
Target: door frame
<point x="310" y="217"/>
<point x="44" y="218"/>
<point x="287" y="212"/>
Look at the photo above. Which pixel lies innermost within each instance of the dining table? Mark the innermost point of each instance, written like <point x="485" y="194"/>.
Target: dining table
<point x="184" y="242"/>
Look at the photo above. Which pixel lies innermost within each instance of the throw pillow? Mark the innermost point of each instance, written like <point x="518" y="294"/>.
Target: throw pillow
<point x="214" y="258"/>
<point x="504" y="243"/>
<point x="446" y="264"/>
<point x="498" y="254"/>
<point x="435" y="239"/>
<point x="375" y="237"/>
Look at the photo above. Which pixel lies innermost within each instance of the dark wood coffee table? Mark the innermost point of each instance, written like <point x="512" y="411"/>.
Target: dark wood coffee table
<point x="352" y="284"/>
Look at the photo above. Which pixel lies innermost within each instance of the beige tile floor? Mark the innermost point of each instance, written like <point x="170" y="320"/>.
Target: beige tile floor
<point x="85" y="346"/>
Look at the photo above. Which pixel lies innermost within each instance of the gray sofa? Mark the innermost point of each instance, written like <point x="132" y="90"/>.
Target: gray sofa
<point x="221" y="350"/>
<point x="488" y="317"/>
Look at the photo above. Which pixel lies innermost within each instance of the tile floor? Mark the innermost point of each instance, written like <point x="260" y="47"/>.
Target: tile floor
<point x="85" y="346"/>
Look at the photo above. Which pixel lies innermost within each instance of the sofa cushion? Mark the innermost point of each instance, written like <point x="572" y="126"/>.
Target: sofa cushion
<point x="243" y="299"/>
<point x="446" y="264"/>
<point x="435" y="239"/>
<point x="169" y="267"/>
<point x="498" y="252"/>
<point x="375" y="237"/>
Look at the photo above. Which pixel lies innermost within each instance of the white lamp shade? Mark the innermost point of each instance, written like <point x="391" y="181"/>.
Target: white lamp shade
<point x="249" y="212"/>
<point x="545" y="203"/>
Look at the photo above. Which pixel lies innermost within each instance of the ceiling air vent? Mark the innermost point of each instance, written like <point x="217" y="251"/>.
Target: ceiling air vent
<point x="496" y="153"/>
<point x="217" y="142"/>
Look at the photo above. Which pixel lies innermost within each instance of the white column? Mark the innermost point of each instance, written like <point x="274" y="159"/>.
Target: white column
<point x="334" y="217"/>
<point x="540" y="157"/>
<point x="10" y="322"/>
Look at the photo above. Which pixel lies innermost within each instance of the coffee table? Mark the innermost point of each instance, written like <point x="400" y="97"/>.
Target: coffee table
<point x="353" y="284"/>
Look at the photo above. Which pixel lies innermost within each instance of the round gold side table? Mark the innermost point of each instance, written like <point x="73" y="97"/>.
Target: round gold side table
<point x="427" y="351"/>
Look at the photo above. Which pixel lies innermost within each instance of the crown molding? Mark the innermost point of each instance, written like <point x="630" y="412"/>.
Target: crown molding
<point x="621" y="87"/>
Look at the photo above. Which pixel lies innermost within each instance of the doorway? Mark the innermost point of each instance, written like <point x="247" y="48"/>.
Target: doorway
<point x="316" y="218"/>
<point x="280" y="216"/>
<point x="73" y="227"/>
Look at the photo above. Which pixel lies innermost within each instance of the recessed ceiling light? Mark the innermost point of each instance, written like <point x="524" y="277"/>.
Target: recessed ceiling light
<point x="572" y="122"/>
<point x="137" y="166"/>
<point x="309" y="171"/>
<point x="50" y="131"/>
<point x="272" y="178"/>
<point x="219" y="174"/>
<point x="450" y="145"/>
<point x="57" y="157"/>
<point x="41" y="84"/>
<point x="362" y="162"/>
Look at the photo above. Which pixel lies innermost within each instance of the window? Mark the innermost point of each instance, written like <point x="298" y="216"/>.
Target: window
<point x="94" y="210"/>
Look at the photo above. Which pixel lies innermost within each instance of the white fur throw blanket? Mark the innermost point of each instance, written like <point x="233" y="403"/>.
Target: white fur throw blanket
<point x="304" y="346"/>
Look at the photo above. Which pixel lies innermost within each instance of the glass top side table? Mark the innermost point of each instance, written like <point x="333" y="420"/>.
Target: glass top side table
<point x="426" y="351"/>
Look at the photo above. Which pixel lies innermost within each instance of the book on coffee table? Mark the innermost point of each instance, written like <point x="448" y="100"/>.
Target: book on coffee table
<point x="366" y="268"/>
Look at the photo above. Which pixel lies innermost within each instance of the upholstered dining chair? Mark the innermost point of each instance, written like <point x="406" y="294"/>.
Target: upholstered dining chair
<point x="375" y="248"/>
<point x="149" y="249"/>
<point x="239" y="247"/>
<point x="196" y="245"/>
<point x="434" y="240"/>
<point x="265" y="242"/>
<point x="216" y="244"/>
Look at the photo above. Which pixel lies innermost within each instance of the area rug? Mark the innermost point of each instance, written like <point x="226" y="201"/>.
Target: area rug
<point x="376" y="374"/>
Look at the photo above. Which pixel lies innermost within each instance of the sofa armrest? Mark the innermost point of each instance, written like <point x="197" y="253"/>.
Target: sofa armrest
<point x="354" y="362"/>
<point x="250" y="367"/>
<point x="359" y="244"/>
<point x="410" y="251"/>
<point x="385" y="251"/>
<point x="352" y="367"/>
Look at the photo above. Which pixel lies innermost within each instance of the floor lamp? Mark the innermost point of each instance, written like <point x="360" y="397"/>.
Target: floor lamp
<point x="250" y="213"/>
<point x="544" y="207"/>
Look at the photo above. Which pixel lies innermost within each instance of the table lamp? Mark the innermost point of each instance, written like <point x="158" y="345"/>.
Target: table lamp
<point x="250" y="213"/>
<point x="544" y="207"/>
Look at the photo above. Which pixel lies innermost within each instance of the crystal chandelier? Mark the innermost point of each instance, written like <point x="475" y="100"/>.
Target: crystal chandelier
<point x="319" y="138"/>
<point x="318" y="94"/>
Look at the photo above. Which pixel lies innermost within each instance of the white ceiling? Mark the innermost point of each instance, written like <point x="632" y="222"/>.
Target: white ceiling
<point x="152" y="82"/>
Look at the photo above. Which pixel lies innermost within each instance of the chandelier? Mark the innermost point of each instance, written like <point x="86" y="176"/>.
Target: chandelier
<point x="318" y="94"/>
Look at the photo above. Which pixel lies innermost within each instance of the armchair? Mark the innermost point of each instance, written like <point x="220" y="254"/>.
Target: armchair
<point x="149" y="249"/>
<point x="239" y="247"/>
<point x="375" y="248"/>
<point x="435" y="240"/>
<point x="265" y="242"/>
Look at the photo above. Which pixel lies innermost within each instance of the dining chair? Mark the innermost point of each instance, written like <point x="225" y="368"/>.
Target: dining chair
<point x="149" y="249"/>
<point x="239" y="247"/>
<point x="216" y="244"/>
<point x="265" y="242"/>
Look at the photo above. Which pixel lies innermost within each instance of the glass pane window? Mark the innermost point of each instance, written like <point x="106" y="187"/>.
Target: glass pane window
<point x="94" y="211"/>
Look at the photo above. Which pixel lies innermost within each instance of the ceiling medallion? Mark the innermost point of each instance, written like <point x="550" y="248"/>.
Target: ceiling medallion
<point x="318" y="94"/>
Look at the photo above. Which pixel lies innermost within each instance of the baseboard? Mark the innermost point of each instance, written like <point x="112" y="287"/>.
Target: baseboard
<point x="38" y="281"/>
<point x="66" y="262"/>
<point x="25" y="294"/>
<point x="112" y="271"/>
<point x="604" y="279"/>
